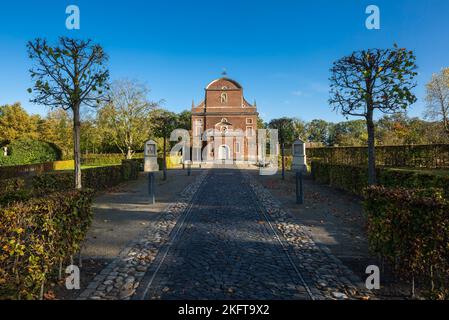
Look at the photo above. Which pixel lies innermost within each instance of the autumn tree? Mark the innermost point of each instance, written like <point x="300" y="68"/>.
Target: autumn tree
<point x="125" y="118"/>
<point x="69" y="75"/>
<point x="93" y="139"/>
<point x="57" y="128"/>
<point x="163" y="123"/>
<point x="286" y="133"/>
<point x="438" y="98"/>
<point x="16" y="123"/>
<point x="370" y="80"/>
<point x="348" y="133"/>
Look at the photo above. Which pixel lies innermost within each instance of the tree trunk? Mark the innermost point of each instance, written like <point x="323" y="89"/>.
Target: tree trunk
<point x="165" y="159"/>
<point x="446" y="124"/>
<point x="129" y="154"/>
<point x="76" y="145"/>
<point x="371" y="150"/>
<point x="283" y="159"/>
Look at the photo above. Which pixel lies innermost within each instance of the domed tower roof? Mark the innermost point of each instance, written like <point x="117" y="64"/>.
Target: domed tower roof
<point x="224" y="84"/>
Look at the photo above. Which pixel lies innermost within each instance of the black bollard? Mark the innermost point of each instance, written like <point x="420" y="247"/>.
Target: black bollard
<point x="151" y="184"/>
<point x="189" y="170"/>
<point x="299" y="188"/>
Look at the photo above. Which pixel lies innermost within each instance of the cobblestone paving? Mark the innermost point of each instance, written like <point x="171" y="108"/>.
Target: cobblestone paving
<point x="120" y="279"/>
<point x="225" y="250"/>
<point x="325" y="275"/>
<point x="227" y="238"/>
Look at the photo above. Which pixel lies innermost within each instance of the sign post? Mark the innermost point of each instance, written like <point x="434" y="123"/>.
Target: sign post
<point x="299" y="164"/>
<point x="188" y="163"/>
<point x="151" y="166"/>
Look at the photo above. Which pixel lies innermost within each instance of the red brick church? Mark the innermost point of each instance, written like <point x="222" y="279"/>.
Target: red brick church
<point x="226" y="123"/>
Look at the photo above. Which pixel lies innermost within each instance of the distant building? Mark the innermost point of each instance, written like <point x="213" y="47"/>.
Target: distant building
<point x="227" y="121"/>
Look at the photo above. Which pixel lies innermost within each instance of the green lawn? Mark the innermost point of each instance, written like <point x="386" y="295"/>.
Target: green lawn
<point x="89" y="167"/>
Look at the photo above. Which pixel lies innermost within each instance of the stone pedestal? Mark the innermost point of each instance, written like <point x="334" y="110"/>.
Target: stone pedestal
<point x="150" y="162"/>
<point x="299" y="162"/>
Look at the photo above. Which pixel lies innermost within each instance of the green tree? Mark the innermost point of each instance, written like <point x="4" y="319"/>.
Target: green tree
<point x="16" y="123"/>
<point x="57" y="128"/>
<point x="286" y="132"/>
<point x="163" y="123"/>
<point x="261" y="124"/>
<point x="438" y="98"/>
<point x="299" y="129"/>
<point x="185" y="120"/>
<point x="348" y="133"/>
<point x="317" y="131"/>
<point x="124" y="119"/>
<point x="93" y="139"/>
<point x="69" y="75"/>
<point x="370" y="80"/>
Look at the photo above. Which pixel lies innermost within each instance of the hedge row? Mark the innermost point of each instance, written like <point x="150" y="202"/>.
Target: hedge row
<point x="288" y="162"/>
<point x="99" y="178"/>
<point x="105" y="159"/>
<point x="36" y="236"/>
<point x="16" y="171"/>
<point x="172" y="162"/>
<point x="355" y="178"/>
<point x="413" y="156"/>
<point x="25" y="151"/>
<point x="410" y="229"/>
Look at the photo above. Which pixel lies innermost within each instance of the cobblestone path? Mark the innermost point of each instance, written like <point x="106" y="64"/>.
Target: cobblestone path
<point x="226" y="238"/>
<point x="225" y="250"/>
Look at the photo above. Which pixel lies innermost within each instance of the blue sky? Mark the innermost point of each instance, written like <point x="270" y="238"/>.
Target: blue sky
<point x="280" y="51"/>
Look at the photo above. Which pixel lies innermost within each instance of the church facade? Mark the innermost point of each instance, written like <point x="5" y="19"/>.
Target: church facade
<point x="224" y="124"/>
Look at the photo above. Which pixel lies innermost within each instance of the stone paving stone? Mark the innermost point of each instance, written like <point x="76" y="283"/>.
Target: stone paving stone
<point x="226" y="238"/>
<point x="222" y="245"/>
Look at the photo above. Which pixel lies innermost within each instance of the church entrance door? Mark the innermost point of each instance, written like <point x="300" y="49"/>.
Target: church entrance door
<point x="224" y="152"/>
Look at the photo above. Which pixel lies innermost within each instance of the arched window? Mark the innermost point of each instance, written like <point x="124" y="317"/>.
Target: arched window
<point x="224" y="98"/>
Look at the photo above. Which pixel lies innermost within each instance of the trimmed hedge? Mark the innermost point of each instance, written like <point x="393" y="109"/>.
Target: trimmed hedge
<point x="11" y="185"/>
<point x="413" y="156"/>
<point x="15" y="171"/>
<point x="37" y="235"/>
<point x="99" y="179"/>
<point x="288" y="162"/>
<point x="172" y="162"/>
<point x="355" y="178"/>
<point x="23" y="152"/>
<point x="410" y="228"/>
<point x="105" y="159"/>
<point x="12" y="190"/>
<point x="63" y="165"/>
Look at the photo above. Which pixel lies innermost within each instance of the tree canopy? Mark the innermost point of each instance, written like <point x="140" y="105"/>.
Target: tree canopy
<point x="370" y="80"/>
<point x="69" y="75"/>
<point x="125" y="118"/>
